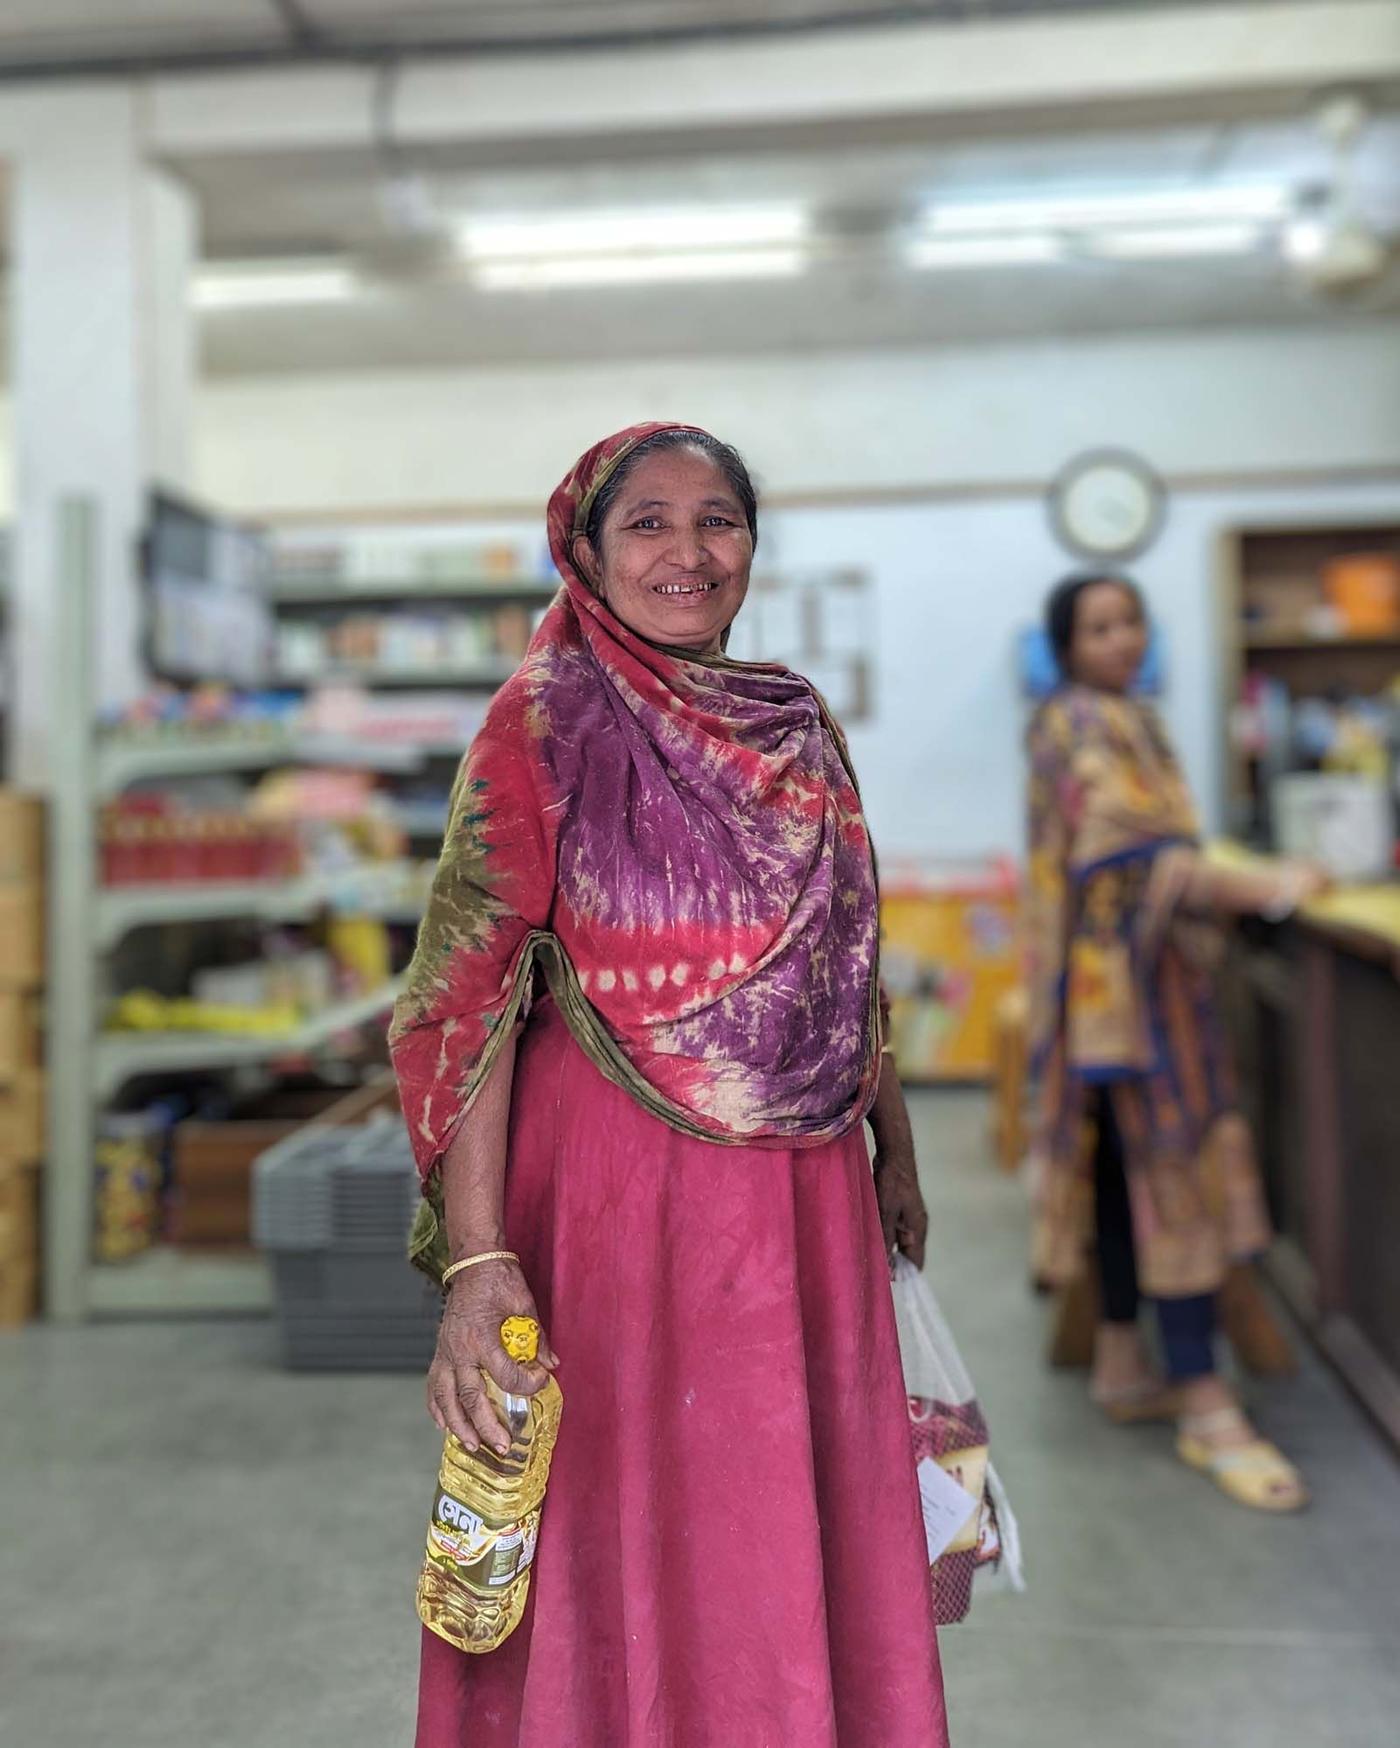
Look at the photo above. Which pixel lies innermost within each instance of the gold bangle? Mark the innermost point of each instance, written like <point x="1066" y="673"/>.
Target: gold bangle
<point x="469" y="1262"/>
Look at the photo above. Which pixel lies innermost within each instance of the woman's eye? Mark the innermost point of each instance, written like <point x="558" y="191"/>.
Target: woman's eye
<point x="717" y="522"/>
<point x="647" y="522"/>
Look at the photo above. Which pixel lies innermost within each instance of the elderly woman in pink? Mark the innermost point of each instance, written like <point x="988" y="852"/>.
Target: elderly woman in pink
<point x="639" y="1043"/>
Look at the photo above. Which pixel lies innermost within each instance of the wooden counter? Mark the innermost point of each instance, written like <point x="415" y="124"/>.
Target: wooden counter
<point x="1315" y="1004"/>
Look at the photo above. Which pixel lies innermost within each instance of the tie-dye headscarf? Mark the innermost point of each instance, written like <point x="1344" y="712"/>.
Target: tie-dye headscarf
<point x="677" y="841"/>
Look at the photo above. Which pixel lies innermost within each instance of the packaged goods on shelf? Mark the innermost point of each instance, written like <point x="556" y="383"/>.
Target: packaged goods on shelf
<point x="392" y="645"/>
<point x="150" y="839"/>
<point x="373" y="559"/>
<point x="142" y="1010"/>
<point x="303" y="982"/>
<point x="208" y="715"/>
<point x="126" y="1200"/>
<point x="436" y="720"/>
<point x="1363" y="588"/>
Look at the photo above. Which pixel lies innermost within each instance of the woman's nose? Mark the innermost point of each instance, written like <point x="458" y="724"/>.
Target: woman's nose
<point x="687" y="548"/>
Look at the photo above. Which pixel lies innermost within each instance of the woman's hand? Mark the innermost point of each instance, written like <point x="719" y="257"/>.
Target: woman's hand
<point x="469" y="1343"/>
<point x="903" y="1216"/>
<point x="1308" y="880"/>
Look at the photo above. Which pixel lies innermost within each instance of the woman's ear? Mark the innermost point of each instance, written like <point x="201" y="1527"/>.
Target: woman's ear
<point x="587" y="561"/>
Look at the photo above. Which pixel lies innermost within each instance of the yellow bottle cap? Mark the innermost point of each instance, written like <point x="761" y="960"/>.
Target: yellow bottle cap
<point x="520" y="1337"/>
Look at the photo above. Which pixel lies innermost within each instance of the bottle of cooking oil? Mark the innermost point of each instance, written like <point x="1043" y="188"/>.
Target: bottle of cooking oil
<point x="486" y="1514"/>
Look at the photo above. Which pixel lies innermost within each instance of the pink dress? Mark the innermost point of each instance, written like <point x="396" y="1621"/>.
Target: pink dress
<point x="731" y="1554"/>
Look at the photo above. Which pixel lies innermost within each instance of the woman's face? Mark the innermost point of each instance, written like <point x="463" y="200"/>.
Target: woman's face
<point x="676" y="551"/>
<point x="1110" y="637"/>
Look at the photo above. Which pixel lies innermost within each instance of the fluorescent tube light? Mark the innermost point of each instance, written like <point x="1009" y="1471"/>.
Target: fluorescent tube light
<point x="639" y="269"/>
<point x="1305" y="240"/>
<point x="1173" y="242"/>
<point x="257" y="285"/>
<point x="1145" y="206"/>
<point x="658" y="230"/>
<point x="1025" y="249"/>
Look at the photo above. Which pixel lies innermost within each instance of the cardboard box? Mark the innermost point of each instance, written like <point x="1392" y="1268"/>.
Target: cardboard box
<point x="21" y="836"/>
<point x="19" y="1214"/>
<point x="20" y="1038"/>
<point x="19" y="1291"/>
<point x="21" y="934"/>
<point x="212" y="1178"/>
<point x="23" y="1119"/>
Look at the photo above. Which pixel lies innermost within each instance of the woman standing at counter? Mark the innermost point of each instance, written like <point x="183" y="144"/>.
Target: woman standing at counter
<point x="1147" y="1163"/>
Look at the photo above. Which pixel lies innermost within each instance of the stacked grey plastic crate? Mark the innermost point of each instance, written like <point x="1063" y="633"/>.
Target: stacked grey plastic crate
<point x="332" y="1208"/>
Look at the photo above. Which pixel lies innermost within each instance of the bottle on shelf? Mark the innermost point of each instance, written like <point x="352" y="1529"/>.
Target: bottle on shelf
<point x="486" y="1514"/>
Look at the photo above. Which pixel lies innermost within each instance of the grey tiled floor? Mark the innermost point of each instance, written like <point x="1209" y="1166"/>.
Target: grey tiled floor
<point x="198" y="1549"/>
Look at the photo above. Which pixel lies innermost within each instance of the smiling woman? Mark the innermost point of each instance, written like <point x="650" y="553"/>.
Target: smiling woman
<point x="640" y="1036"/>
<point x="679" y="516"/>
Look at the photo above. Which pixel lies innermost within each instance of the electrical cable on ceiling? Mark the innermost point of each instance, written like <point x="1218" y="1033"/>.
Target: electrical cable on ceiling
<point x="308" y="42"/>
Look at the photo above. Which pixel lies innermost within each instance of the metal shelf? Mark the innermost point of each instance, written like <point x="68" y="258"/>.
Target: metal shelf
<point x="322" y="592"/>
<point x="120" y="1056"/>
<point x="120" y="909"/>
<point x="123" y="908"/>
<point x="170" y="1281"/>
<point x="479" y="675"/>
<point x="1290" y="641"/>
<point x="119" y="764"/>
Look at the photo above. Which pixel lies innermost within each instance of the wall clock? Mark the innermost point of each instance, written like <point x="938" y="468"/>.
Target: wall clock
<point x="1107" y="503"/>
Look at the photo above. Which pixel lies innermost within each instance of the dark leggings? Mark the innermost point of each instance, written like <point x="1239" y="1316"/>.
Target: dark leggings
<point x="1187" y="1325"/>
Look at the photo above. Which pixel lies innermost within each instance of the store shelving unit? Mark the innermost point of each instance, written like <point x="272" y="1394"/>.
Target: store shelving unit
<point x="121" y="1056"/>
<point x="121" y="909"/>
<point x="452" y="590"/>
<point x="475" y="677"/>
<point x="1268" y="572"/>
<point x="86" y="922"/>
<point x="125" y="761"/>
<point x="457" y="591"/>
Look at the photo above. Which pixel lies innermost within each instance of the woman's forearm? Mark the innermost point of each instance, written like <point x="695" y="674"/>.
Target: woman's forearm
<point x="474" y="1166"/>
<point x="889" y="1115"/>
<point x="1243" y="891"/>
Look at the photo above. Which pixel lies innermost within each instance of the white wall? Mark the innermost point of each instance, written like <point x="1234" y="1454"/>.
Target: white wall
<point x="1252" y="401"/>
<point x="940" y="764"/>
<point x="955" y="579"/>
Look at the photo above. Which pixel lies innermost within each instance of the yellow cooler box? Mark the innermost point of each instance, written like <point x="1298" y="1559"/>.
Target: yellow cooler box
<point x="949" y="954"/>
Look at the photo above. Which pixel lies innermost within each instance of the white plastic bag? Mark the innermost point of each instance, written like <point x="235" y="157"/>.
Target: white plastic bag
<point x="968" y="1522"/>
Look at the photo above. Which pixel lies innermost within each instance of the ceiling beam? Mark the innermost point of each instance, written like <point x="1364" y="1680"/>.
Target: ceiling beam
<point x="309" y="43"/>
<point x="1183" y="61"/>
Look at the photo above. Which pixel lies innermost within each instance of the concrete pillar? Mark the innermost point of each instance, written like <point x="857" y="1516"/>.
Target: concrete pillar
<point x="102" y="369"/>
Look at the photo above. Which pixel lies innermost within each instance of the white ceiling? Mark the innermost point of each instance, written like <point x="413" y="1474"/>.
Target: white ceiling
<point x="861" y="296"/>
<point x="334" y="201"/>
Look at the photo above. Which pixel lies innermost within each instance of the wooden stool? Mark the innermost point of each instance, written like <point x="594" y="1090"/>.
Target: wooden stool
<point x="1010" y="1052"/>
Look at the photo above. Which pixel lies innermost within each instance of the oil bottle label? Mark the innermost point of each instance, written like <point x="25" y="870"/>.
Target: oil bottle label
<point x="481" y="1554"/>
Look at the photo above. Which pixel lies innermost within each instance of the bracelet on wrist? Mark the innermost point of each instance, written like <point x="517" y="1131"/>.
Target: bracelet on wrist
<point x="450" y="1273"/>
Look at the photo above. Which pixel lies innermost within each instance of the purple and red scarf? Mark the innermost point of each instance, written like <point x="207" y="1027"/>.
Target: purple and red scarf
<point x="678" y="841"/>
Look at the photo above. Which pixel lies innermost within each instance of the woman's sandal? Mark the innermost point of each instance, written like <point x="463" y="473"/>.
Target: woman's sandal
<point x="1132" y="1404"/>
<point x="1256" y="1474"/>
